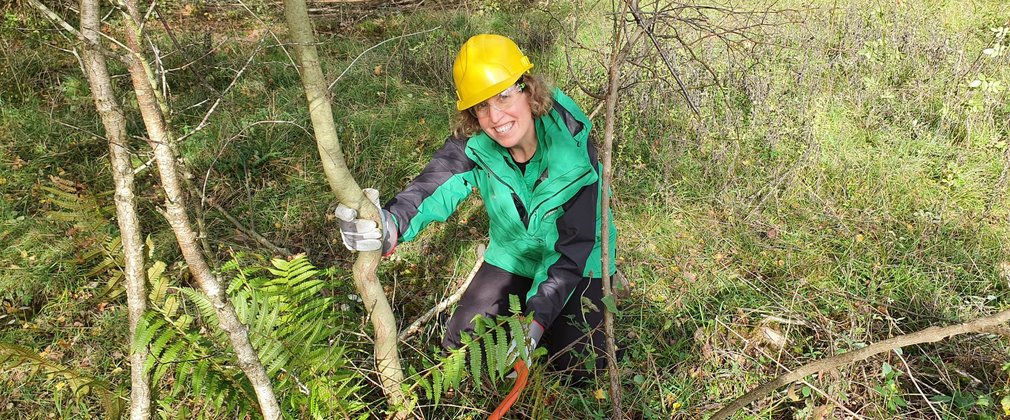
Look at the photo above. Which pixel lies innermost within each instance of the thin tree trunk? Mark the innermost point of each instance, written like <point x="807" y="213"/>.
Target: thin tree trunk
<point x="928" y="335"/>
<point x="122" y="174"/>
<point x="175" y="212"/>
<point x="614" y="78"/>
<point x="347" y="191"/>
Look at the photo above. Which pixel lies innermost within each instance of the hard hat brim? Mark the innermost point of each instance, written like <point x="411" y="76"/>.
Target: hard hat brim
<point x="491" y="90"/>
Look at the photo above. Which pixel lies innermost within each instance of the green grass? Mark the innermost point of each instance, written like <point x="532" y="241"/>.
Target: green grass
<point x="842" y="186"/>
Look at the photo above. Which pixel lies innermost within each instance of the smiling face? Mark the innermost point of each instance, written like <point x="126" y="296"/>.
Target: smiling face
<point x="510" y="126"/>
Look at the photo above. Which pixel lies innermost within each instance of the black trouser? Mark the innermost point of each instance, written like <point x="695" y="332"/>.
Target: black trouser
<point x="574" y="341"/>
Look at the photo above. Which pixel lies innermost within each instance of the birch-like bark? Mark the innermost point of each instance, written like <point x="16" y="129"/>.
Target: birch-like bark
<point x="122" y="174"/>
<point x="347" y="191"/>
<point x="175" y="211"/>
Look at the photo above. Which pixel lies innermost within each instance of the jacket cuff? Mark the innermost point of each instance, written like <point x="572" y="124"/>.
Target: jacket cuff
<point x="536" y="331"/>
<point x="390" y="234"/>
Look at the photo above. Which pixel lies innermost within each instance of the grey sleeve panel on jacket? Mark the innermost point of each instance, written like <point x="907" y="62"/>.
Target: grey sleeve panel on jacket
<point x="448" y="163"/>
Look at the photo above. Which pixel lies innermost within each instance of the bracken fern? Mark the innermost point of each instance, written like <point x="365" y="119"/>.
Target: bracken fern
<point x="290" y="326"/>
<point x="486" y="353"/>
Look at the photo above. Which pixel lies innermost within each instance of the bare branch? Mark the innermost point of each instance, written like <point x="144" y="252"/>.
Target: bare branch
<point x="58" y="21"/>
<point x="449" y="301"/>
<point x="347" y="191"/>
<point x="175" y="211"/>
<point x="928" y="335"/>
<point x="662" y="53"/>
<point x="246" y="230"/>
<point x="114" y="122"/>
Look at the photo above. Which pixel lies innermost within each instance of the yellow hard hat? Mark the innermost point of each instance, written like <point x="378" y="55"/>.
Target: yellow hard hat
<point x="486" y="65"/>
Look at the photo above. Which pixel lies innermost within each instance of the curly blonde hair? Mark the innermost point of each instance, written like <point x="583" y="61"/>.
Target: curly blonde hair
<point x="541" y="101"/>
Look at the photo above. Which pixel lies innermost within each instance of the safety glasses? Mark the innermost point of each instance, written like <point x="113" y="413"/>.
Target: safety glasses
<point x="501" y="101"/>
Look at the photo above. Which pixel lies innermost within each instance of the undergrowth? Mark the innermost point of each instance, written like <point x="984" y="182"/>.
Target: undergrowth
<point x="845" y="182"/>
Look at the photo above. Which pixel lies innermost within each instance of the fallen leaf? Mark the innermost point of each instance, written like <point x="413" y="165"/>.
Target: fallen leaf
<point x="773" y="337"/>
<point x="791" y="394"/>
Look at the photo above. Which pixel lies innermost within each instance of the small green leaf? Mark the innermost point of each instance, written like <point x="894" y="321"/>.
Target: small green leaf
<point x="611" y="305"/>
<point x="886" y="369"/>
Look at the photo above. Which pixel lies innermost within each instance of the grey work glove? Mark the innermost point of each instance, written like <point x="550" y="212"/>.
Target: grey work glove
<point x="525" y="352"/>
<point x="363" y="234"/>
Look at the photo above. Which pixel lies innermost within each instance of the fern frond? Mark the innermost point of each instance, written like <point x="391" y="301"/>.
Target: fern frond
<point x="476" y="360"/>
<point x="199" y="375"/>
<point x="436" y="384"/>
<point x="491" y="355"/>
<point x="147" y="327"/>
<point x="159" y="284"/>
<point x="203" y="304"/>
<point x="501" y="352"/>
<point x="159" y="343"/>
<point x="454" y="367"/>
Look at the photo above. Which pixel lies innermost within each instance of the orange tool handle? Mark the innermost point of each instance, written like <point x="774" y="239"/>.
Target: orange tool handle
<point x="522" y="374"/>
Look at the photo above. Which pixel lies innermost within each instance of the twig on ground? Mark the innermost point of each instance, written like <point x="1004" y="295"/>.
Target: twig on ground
<point x="445" y="304"/>
<point x="908" y="369"/>
<point x="833" y="400"/>
<point x="928" y="335"/>
<point x="247" y="231"/>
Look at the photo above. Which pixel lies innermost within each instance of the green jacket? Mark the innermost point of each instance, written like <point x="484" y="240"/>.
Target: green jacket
<point x="544" y="221"/>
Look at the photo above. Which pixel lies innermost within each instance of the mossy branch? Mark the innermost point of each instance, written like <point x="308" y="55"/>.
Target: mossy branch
<point x="348" y="192"/>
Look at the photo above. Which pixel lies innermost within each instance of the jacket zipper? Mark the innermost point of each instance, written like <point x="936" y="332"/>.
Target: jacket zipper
<point x="524" y="216"/>
<point x="576" y="180"/>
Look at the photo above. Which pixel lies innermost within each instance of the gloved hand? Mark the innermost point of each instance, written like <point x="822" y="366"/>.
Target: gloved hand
<point x="525" y="351"/>
<point x="363" y="234"/>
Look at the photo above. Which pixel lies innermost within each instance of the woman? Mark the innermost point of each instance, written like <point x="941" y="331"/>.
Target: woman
<point x="526" y="148"/>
